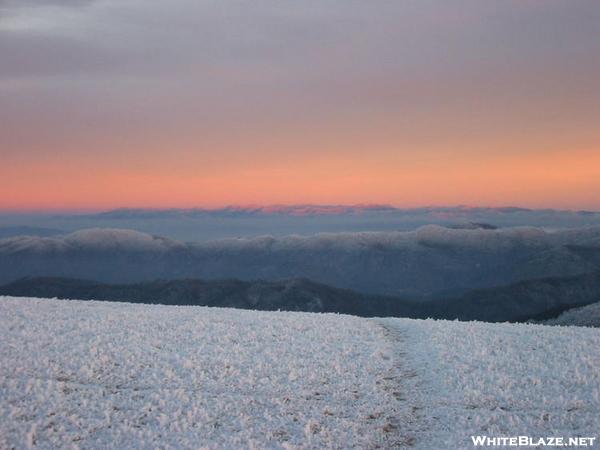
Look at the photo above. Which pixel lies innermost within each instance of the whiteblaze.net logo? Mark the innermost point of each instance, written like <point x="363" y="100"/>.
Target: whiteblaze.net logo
<point x="528" y="441"/>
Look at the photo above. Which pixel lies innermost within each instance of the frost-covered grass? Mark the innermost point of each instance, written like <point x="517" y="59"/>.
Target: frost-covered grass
<point x="116" y="375"/>
<point x="503" y="379"/>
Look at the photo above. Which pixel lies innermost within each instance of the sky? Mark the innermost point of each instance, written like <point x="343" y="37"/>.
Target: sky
<point x="147" y="103"/>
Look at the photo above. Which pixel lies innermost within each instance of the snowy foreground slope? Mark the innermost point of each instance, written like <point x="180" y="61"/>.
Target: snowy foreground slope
<point x="95" y="373"/>
<point x="114" y="375"/>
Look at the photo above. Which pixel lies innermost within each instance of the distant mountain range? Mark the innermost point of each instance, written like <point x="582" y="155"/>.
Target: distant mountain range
<point x="429" y="262"/>
<point x="241" y="211"/>
<point x="527" y="300"/>
<point x="447" y="212"/>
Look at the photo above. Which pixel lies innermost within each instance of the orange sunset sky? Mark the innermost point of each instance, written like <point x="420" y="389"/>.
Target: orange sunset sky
<point x="106" y="104"/>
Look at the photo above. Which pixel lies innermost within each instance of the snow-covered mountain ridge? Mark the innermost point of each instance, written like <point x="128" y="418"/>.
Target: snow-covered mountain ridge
<point x="93" y="374"/>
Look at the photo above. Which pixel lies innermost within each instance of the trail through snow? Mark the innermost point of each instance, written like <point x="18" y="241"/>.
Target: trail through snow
<point x="478" y="378"/>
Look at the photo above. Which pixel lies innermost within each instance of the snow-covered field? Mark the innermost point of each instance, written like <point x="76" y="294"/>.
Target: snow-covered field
<point x="113" y="375"/>
<point x="98" y="374"/>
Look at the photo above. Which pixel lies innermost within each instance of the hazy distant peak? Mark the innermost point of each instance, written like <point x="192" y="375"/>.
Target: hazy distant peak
<point x="248" y="210"/>
<point x="310" y="210"/>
